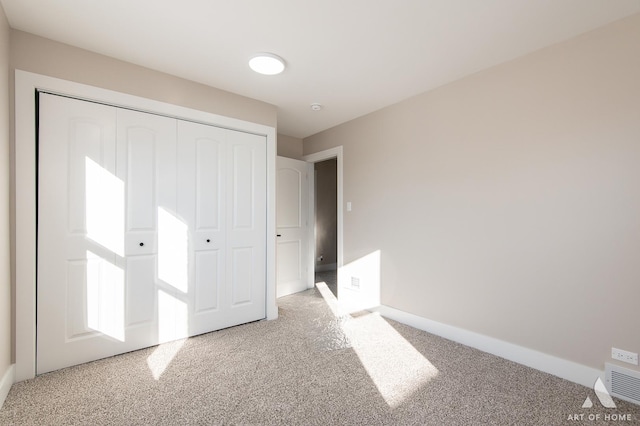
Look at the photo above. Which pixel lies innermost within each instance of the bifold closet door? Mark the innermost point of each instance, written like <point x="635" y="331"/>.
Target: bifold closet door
<point x="103" y="172"/>
<point x="246" y="209"/>
<point x="146" y="164"/>
<point x="222" y="201"/>
<point x="77" y="254"/>
<point x="150" y="229"/>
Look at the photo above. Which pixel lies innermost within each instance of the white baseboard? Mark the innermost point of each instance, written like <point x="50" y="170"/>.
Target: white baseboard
<point x="6" y="383"/>
<point x="326" y="267"/>
<point x="559" y="367"/>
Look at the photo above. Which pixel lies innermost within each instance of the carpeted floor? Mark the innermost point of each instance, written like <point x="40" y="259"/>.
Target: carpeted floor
<point x="314" y="365"/>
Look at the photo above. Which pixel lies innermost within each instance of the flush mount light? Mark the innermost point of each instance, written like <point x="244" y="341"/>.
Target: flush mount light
<point x="266" y="63"/>
<point x="316" y="107"/>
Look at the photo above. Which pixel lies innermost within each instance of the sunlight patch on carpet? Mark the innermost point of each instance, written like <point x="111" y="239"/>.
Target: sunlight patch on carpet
<point x="162" y="356"/>
<point x="396" y="368"/>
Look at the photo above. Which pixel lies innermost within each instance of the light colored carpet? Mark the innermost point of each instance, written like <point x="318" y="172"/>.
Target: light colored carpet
<point x="314" y="365"/>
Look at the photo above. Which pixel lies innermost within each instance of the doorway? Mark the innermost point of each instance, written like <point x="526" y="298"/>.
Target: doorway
<point x="326" y="241"/>
<point x="326" y="223"/>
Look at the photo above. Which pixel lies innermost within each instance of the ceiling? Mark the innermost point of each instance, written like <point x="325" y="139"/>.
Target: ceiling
<point x="352" y="56"/>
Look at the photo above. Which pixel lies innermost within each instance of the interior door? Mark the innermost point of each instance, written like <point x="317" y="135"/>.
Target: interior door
<point x="292" y="226"/>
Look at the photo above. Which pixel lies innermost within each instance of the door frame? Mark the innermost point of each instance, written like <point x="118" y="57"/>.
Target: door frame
<point x="318" y="157"/>
<point x="26" y="85"/>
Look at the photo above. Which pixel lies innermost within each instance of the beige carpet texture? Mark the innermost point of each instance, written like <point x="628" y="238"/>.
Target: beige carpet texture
<point x="312" y="366"/>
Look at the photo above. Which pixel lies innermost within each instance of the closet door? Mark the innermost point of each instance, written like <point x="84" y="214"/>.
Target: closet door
<point x="155" y="238"/>
<point x="222" y="200"/>
<point x="246" y="227"/>
<point x="105" y="177"/>
<point x="80" y="234"/>
<point x="150" y="229"/>
<point x="202" y="181"/>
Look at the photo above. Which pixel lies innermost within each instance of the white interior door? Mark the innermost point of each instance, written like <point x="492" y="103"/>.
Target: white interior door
<point x="292" y="225"/>
<point x="150" y="229"/>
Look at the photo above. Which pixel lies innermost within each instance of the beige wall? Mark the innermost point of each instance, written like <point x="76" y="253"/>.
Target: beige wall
<point x="508" y="203"/>
<point x="5" y="274"/>
<point x="43" y="56"/>
<point x="326" y="218"/>
<point x="39" y="55"/>
<point x="290" y="147"/>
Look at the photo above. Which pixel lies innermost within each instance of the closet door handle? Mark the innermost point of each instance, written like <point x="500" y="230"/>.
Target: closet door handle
<point x="141" y="244"/>
<point x="279" y="235"/>
<point x="208" y="240"/>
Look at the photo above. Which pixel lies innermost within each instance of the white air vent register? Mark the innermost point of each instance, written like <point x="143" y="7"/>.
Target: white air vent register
<point x="623" y="383"/>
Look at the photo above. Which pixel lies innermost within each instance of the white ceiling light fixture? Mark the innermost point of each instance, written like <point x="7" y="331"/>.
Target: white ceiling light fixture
<point x="316" y="107"/>
<point x="266" y="63"/>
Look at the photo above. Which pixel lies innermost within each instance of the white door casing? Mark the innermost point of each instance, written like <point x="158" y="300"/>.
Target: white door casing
<point x="292" y="225"/>
<point x="150" y="229"/>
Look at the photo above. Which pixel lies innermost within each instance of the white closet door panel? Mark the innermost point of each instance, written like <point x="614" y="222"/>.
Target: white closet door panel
<point x="93" y="302"/>
<point x="91" y="143"/>
<point x="246" y="234"/>
<point x="147" y="164"/>
<point x="243" y="190"/>
<point x="77" y="150"/>
<point x="141" y="288"/>
<point x="209" y="154"/>
<point x="247" y="189"/>
<point x="209" y="269"/>
<point x="105" y="296"/>
<point x="76" y="290"/>
<point x="242" y="274"/>
<point x="104" y="207"/>
<point x="141" y="188"/>
<point x="201" y="178"/>
<point x="173" y="316"/>
<point x="173" y="251"/>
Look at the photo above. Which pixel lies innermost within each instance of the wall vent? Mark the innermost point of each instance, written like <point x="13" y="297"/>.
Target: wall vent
<point x="623" y="383"/>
